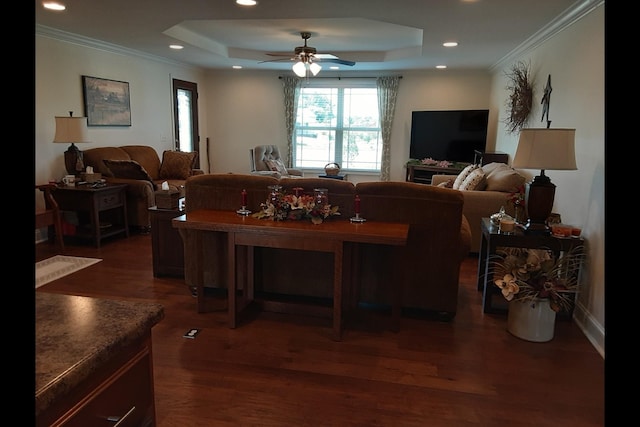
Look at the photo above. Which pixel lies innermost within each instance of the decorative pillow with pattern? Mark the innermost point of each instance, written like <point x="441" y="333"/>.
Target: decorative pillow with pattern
<point x="463" y="175"/>
<point x="502" y="177"/>
<point x="277" y="166"/>
<point x="177" y="164"/>
<point x="127" y="169"/>
<point x="475" y="181"/>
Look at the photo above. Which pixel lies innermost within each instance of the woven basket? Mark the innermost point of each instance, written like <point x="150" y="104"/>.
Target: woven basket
<point x="332" y="169"/>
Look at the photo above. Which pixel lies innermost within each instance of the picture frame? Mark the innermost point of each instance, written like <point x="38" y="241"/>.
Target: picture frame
<point x="106" y="102"/>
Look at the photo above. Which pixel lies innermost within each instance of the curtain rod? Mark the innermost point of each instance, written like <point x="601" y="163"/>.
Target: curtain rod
<point x="352" y="77"/>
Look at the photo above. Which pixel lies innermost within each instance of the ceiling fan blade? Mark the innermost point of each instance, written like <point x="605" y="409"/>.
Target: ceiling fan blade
<point x="278" y="54"/>
<point x="325" y="56"/>
<point x="278" y="60"/>
<point x="338" y="61"/>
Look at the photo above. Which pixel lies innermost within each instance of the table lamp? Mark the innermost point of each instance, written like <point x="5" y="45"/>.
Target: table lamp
<point x="551" y="149"/>
<point x="72" y="130"/>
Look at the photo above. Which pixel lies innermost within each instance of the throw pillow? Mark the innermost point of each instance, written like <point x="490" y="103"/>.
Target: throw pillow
<point x="475" y="181"/>
<point x="503" y="178"/>
<point x="177" y="164"/>
<point x="463" y="175"/>
<point x="128" y="169"/>
<point x="277" y="166"/>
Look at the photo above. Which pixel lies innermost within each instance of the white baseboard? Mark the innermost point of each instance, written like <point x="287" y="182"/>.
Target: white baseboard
<point x="590" y="327"/>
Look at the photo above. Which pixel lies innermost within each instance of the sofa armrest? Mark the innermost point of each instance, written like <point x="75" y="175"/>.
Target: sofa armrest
<point x="439" y="178"/>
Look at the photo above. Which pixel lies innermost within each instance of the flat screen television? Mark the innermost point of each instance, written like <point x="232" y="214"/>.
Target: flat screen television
<point x="452" y="135"/>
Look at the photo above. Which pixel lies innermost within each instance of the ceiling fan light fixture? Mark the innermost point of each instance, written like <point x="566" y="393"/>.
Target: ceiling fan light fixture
<point x="315" y="68"/>
<point x="300" y="69"/>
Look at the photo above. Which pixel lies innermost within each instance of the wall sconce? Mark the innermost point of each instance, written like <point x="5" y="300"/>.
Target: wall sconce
<point x="552" y="149"/>
<point x="72" y="130"/>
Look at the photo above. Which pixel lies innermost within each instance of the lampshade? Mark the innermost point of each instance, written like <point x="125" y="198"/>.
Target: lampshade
<point x="72" y="130"/>
<point x="300" y="69"/>
<point x="542" y="149"/>
<point x="551" y="149"/>
<point x="315" y="68"/>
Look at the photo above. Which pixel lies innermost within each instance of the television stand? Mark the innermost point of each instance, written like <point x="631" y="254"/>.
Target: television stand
<point x="422" y="173"/>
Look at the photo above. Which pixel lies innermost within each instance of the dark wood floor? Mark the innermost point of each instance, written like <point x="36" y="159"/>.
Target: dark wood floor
<point x="283" y="370"/>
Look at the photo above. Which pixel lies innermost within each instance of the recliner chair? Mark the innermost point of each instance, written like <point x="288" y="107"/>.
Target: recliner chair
<point x="262" y="154"/>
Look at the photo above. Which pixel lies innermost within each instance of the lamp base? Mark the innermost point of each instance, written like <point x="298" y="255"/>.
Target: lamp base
<point x="539" y="195"/>
<point x="73" y="160"/>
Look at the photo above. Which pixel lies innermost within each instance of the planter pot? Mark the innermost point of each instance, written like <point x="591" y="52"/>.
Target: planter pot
<point x="531" y="320"/>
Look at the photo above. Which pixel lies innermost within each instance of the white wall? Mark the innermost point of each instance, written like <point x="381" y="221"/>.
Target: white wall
<point x="575" y="60"/>
<point x="240" y="109"/>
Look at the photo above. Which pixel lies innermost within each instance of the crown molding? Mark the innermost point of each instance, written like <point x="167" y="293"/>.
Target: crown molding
<point x="572" y="14"/>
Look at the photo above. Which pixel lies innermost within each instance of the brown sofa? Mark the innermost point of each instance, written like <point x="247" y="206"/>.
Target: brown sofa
<point x="439" y="239"/>
<point x="140" y="167"/>
<point x="501" y="182"/>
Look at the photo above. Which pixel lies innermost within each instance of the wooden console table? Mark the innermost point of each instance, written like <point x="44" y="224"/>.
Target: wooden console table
<point x="330" y="236"/>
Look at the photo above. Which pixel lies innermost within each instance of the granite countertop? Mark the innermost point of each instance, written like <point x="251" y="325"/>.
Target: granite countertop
<point x="76" y="335"/>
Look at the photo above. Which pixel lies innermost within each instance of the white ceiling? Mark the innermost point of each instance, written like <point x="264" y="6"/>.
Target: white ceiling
<point x="379" y="35"/>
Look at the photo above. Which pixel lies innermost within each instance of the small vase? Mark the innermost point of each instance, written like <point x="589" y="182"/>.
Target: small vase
<point x="531" y="320"/>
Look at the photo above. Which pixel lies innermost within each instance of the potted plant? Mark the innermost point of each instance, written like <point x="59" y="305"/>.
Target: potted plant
<point x="537" y="285"/>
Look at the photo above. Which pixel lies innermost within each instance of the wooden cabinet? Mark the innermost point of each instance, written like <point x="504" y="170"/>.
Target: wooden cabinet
<point x="422" y="174"/>
<point x="166" y="243"/>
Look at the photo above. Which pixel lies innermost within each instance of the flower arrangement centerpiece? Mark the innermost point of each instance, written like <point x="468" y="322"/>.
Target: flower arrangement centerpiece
<point x="281" y="206"/>
<point x="525" y="274"/>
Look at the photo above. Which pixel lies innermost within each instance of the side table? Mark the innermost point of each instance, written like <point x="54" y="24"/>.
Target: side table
<point x="492" y="239"/>
<point x="98" y="203"/>
<point x="166" y="242"/>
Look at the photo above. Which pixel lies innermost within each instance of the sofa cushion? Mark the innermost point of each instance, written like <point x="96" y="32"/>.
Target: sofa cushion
<point x="146" y="155"/>
<point x="277" y="166"/>
<point x="502" y="177"/>
<point x="94" y="157"/>
<point x="475" y="181"/>
<point x="128" y="169"/>
<point x="177" y="164"/>
<point x="463" y="175"/>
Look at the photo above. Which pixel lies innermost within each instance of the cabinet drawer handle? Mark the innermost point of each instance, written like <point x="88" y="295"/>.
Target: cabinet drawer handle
<point x="119" y="420"/>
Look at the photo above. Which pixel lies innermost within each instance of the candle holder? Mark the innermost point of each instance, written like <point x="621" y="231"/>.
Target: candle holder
<point x="356" y="206"/>
<point x="243" y="210"/>
<point x="357" y="218"/>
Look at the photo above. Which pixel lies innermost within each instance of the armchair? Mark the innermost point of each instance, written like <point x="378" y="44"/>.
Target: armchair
<point x="266" y="160"/>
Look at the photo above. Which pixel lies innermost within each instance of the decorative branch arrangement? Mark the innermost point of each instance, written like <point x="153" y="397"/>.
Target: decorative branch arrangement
<point x="521" y="97"/>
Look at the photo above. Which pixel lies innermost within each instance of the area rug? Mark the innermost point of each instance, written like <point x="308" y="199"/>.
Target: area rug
<point x="59" y="266"/>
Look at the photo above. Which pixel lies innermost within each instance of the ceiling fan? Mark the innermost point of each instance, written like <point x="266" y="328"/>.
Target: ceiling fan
<point x="307" y="58"/>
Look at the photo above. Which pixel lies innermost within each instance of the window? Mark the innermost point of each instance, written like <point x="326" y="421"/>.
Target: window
<point x="337" y="122"/>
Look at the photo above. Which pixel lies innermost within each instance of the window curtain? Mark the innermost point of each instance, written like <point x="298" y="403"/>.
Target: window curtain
<point x="387" y="96"/>
<point x="291" y="94"/>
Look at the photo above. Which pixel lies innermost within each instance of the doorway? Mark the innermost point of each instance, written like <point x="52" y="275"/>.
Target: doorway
<point x="185" y="111"/>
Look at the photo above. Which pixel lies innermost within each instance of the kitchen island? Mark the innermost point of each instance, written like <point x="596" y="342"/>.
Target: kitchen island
<point x="94" y="363"/>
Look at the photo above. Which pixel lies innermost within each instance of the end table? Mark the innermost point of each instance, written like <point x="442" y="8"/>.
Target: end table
<point x="493" y="239"/>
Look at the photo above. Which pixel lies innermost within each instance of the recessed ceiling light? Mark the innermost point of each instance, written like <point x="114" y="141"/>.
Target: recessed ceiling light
<point x="246" y="2"/>
<point x="441" y="67"/>
<point x="237" y="67"/>
<point x="450" y="44"/>
<point x="176" y="46"/>
<point x="51" y="5"/>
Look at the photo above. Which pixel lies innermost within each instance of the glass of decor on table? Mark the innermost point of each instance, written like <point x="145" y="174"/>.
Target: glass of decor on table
<point x="356" y="209"/>
<point x="243" y="203"/>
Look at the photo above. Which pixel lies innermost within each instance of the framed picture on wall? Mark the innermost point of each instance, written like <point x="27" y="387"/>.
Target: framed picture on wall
<point x="106" y="102"/>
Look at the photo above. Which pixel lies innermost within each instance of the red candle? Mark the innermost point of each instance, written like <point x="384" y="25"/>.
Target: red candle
<point x="357" y="204"/>
<point x="244" y="198"/>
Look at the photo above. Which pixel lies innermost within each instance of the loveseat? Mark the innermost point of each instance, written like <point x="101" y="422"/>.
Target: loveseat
<point x="140" y="167"/>
<point x="489" y="194"/>
<point x="439" y="239"/>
